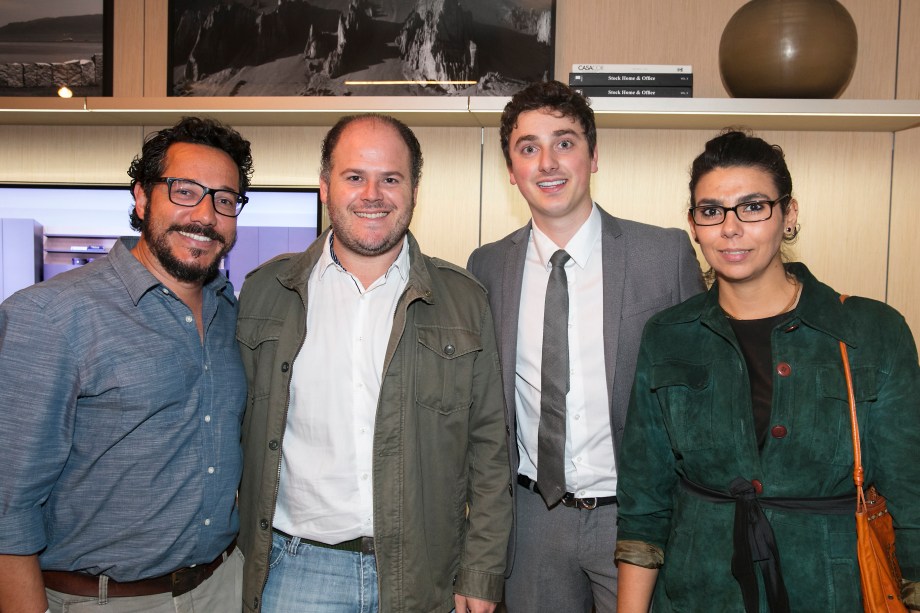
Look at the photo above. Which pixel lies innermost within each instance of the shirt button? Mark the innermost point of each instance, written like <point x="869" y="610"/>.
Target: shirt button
<point x="783" y="369"/>
<point x="577" y="416"/>
<point x="207" y="522"/>
<point x="206" y="367"/>
<point x="778" y="431"/>
<point x="207" y="419"/>
<point x="364" y="476"/>
<point x="758" y="486"/>
<point x="189" y="319"/>
<point x="210" y="470"/>
<point x="165" y="291"/>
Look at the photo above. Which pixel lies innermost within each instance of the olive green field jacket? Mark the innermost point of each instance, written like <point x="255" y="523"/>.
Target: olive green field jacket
<point x="441" y="476"/>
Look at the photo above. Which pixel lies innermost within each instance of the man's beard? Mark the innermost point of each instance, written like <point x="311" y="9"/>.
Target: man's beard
<point x="188" y="272"/>
<point x="363" y="247"/>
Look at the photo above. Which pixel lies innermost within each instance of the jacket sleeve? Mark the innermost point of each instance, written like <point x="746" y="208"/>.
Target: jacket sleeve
<point x="38" y="397"/>
<point x="646" y="473"/>
<point x="893" y="441"/>
<point x="482" y="565"/>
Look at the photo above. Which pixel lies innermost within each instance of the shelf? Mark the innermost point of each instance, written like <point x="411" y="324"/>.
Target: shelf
<point x="261" y="111"/>
<point x="477" y="111"/>
<point x="757" y="114"/>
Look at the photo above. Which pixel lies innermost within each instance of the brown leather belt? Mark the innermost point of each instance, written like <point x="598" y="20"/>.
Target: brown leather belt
<point x="178" y="582"/>
<point x="569" y="500"/>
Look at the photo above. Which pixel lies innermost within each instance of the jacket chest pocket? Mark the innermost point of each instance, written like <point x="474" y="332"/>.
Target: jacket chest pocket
<point x="258" y="337"/>
<point x="685" y="393"/>
<point x="444" y="367"/>
<point x="833" y="436"/>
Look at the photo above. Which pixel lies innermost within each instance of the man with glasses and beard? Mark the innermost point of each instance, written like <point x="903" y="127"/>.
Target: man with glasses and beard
<point x="376" y="471"/>
<point x="122" y="398"/>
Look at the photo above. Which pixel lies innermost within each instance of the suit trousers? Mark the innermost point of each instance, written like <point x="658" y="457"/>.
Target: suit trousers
<point x="563" y="558"/>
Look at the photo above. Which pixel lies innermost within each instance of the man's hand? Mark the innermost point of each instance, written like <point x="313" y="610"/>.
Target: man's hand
<point x="466" y="604"/>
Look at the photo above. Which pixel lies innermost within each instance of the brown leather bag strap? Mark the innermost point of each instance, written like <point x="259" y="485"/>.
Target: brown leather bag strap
<point x="858" y="477"/>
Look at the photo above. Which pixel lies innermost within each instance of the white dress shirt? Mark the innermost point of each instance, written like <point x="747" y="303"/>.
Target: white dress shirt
<point x="590" y="467"/>
<point x="326" y="488"/>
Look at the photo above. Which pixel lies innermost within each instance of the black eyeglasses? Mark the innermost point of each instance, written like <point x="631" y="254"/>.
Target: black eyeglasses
<point x="748" y="212"/>
<point x="186" y="192"/>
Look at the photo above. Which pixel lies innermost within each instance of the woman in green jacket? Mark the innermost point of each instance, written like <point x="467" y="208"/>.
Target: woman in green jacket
<point x="740" y="397"/>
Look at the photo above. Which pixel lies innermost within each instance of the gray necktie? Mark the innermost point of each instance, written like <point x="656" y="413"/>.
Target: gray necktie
<point x="554" y="384"/>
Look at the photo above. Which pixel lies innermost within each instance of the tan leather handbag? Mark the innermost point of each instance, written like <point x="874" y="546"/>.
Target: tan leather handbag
<point x="879" y="572"/>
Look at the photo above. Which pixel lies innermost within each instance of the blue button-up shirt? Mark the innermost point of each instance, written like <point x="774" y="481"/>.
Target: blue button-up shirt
<point x="119" y="428"/>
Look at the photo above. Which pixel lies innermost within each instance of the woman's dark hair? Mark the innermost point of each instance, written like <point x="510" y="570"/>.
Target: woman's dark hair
<point x="405" y="132"/>
<point x="552" y="96"/>
<point x="736" y="148"/>
<point x="150" y="164"/>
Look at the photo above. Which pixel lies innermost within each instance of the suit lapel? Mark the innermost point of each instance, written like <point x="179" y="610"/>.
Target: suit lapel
<point x="613" y="248"/>
<point x="512" y="279"/>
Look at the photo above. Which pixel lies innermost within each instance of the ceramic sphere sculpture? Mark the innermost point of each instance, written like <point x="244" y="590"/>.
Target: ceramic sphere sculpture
<point x="788" y="49"/>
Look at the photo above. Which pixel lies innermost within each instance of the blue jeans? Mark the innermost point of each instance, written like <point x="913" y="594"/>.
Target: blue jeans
<point x="309" y="579"/>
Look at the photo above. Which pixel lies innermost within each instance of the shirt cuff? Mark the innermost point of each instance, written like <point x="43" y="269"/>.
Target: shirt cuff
<point x="639" y="553"/>
<point x="22" y="532"/>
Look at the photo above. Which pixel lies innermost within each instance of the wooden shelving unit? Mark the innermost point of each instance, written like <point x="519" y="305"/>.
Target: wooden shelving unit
<point x="448" y="111"/>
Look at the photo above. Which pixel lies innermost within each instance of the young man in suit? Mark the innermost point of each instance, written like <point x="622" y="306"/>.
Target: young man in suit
<point x="566" y="393"/>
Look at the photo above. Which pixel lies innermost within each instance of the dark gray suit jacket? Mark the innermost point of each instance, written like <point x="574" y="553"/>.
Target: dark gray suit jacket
<point x="645" y="269"/>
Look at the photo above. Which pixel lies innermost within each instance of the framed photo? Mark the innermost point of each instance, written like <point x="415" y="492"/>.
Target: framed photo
<point x="51" y="44"/>
<point x="361" y="47"/>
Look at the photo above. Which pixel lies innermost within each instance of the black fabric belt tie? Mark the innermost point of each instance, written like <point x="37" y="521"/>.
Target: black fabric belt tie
<point x="753" y="537"/>
<point x="569" y="499"/>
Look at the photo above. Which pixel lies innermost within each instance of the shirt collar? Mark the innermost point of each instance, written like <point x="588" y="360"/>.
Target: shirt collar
<point x="579" y="247"/>
<point x="328" y="258"/>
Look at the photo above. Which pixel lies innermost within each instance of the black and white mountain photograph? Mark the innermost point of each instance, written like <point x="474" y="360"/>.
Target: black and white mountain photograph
<point x="46" y="44"/>
<point x="358" y="47"/>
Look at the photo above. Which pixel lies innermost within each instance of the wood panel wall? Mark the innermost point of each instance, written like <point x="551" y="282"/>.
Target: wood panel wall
<point x="857" y="191"/>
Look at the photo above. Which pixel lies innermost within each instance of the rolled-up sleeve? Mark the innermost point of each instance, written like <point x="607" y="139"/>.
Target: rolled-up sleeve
<point x="37" y="403"/>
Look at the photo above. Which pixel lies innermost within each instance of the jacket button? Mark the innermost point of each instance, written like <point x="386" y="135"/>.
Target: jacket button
<point x="273" y="445"/>
<point x="508" y="430"/>
<point x="264" y="524"/>
<point x="783" y="369"/>
<point x="285" y="367"/>
<point x="792" y="328"/>
<point x="449" y="349"/>
<point x="758" y="486"/>
<point x="778" y="431"/>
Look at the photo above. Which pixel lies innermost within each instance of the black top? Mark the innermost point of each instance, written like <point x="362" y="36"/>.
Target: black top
<point x="754" y="339"/>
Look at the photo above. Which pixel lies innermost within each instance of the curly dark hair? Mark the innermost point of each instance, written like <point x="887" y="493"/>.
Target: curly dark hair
<point x="150" y="164"/>
<point x="553" y="96"/>
<point x="335" y="133"/>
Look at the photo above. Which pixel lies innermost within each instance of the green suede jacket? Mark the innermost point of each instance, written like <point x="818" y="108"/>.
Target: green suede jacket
<point x="442" y="509"/>
<point x="690" y="416"/>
